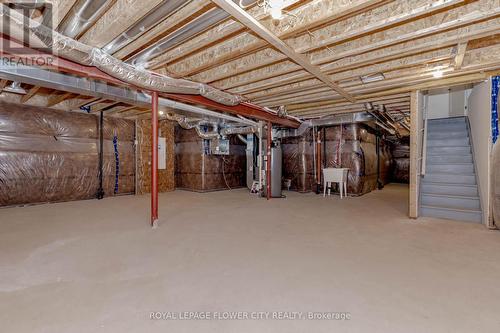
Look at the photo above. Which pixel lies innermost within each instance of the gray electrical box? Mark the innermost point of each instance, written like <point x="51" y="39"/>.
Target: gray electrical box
<point x="219" y="147"/>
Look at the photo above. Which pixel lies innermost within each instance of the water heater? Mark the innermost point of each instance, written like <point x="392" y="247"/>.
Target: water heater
<point x="276" y="172"/>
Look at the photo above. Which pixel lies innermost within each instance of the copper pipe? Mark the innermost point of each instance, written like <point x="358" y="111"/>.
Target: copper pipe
<point x="154" y="159"/>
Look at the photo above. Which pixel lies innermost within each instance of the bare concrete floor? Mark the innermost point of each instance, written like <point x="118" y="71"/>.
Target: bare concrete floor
<point x="96" y="266"/>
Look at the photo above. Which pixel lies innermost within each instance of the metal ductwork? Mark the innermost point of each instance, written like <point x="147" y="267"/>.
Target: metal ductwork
<point x="188" y="124"/>
<point x="198" y="25"/>
<point x="216" y="130"/>
<point x="83" y="86"/>
<point x="239" y="130"/>
<point x="65" y="47"/>
<point x="347" y="118"/>
<point x="160" y="12"/>
<point x="83" y="14"/>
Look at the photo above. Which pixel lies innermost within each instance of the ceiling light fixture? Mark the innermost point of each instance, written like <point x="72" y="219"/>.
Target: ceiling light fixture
<point x="372" y="78"/>
<point x="275" y="8"/>
<point x="437" y="74"/>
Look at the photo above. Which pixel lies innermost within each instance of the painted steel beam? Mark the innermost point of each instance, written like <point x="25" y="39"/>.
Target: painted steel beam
<point x="242" y="109"/>
<point x="30" y="56"/>
<point x="83" y="86"/>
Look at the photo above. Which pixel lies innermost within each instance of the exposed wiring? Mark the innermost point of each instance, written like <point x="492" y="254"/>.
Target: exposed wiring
<point x="224" y="161"/>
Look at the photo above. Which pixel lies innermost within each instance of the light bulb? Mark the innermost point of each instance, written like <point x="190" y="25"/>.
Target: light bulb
<point x="438" y="73"/>
<point x="276" y="13"/>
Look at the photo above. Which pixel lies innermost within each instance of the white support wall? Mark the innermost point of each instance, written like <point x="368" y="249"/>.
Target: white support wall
<point x="448" y="102"/>
<point x="479" y="112"/>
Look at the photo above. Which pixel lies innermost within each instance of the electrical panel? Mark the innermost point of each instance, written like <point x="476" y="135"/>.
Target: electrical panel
<point x="219" y="147"/>
<point x="162" y="153"/>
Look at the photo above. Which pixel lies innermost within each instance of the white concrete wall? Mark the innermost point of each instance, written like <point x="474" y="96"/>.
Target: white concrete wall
<point x="444" y="103"/>
<point x="479" y="113"/>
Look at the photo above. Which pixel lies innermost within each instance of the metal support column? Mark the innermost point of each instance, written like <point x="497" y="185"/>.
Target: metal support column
<point x="268" y="168"/>
<point x="154" y="160"/>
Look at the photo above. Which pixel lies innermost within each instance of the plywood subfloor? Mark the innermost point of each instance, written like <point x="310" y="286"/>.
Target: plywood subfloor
<point x="95" y="266"/>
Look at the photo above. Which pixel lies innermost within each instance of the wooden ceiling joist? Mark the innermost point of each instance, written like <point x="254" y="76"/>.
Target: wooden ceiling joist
<point x="57" y="98"/>
<point x="294" y="31"/>
<point x="327" y="63"/>
<point x="32" y="92"/>
<point x="459" y="58"/>
<point x="254" y="25"/>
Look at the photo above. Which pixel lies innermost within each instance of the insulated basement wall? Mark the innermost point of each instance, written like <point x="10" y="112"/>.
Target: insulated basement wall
<point x="197" y="170"/>
<point x="350" y="146"/>
<point x="166" y="179"/>
<point x="401" y="161"/>
<point x="50" y="155"/>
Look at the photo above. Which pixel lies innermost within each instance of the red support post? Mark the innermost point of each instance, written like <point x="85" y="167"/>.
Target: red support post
<point x="154" y="159"/>
<point x="268" y="172"/>
<point x="318" y="164"/>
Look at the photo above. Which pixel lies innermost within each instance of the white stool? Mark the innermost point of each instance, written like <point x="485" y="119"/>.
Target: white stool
<point x="335" y="175"/>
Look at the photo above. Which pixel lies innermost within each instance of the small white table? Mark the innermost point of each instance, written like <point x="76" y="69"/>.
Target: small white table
<point x="335" y="175"/>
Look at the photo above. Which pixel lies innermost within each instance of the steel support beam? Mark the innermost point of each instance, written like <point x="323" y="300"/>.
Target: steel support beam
<point x="86" y="87"/>
<point x="242" y="109"/>
<point x="33" y="58"/>
<point x="268" y="164"/>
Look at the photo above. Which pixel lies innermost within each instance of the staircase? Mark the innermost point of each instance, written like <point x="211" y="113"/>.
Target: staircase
<point x="449" y="189"/>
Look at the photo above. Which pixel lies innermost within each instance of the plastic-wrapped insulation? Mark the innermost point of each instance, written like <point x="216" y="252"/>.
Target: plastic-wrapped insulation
<point x="198" y="171"/>
<point x="350" y="146"/>
<point x="50" y="155"/>
<point x="68" y="48"/>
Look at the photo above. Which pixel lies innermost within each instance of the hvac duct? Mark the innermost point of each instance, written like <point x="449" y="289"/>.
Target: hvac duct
<point x="197" y="124"/>
<point x="83" y="14"/>
<point x="239" y="130"/>
<point x="160" y="12"/>
<point x="347" y="118"/>
<point x="43" y="37"/>
<point x="83" y="86"/>
<point x="198" y="25"/>
<point x="188" y="124"/>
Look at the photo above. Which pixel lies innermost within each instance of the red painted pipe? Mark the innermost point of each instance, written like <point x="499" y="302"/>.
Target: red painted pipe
<point x="268" y="173"/>
<point x="154" y="159"/>
<point x="318" y="164"/>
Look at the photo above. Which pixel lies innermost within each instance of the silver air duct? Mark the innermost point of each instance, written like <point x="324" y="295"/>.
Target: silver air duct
<point x="188" y="124"/>
<point x="239" y="130"/>
<point x="160" y="12"/>
<point x="83" y="14"/>
<point x="347" y="118"/>
<point x="68" y="48"/>
<point x="198" y="25"/>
